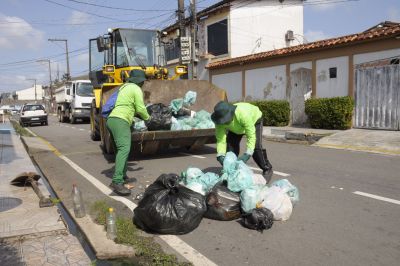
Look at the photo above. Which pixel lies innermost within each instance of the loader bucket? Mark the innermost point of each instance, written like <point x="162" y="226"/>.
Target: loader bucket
<point x="164" y="91"/>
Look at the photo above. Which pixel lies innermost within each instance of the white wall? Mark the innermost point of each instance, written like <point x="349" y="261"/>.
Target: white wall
<point x="266" y="83"/>
<point x="339" y="86"/>
<point x="29" y="94"/>
<point x="261" y="25"/>
<point x="368" y="57"/>
<point x="296" y="66"/>
<point x="231" y="82"/>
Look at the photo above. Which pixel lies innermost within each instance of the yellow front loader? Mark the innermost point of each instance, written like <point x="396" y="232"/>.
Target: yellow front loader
<point x="112" y="56"/>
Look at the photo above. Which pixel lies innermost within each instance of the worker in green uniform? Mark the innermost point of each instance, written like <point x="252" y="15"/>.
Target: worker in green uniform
<point x="232" y="121"/>
<point x="128" y="104"/>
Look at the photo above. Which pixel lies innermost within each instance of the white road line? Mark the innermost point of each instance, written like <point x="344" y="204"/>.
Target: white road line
<point x="81" y="129"/>
<point x="195" y="156"/>
<point x="30" y="131"/>
<point x="175" y="242"/>
<point x="73" y="127"/>
<point x="275" y="172"/>
<point x="377" y="197"/>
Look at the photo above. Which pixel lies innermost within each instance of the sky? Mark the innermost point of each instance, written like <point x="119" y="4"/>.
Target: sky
<point x="26" y="26"/>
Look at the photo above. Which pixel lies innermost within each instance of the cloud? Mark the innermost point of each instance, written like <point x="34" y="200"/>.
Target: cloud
<point x="79" y="18"/>
<point x="17" y="33"/>
<point x="394" y="14"/>
<point x="16" y="82"/>
<point x="315" y="35"/>
<point x="322" y="5"/>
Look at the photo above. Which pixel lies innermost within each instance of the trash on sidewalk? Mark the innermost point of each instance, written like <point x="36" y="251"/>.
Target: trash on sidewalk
<point x="31" y="178"/>
<point x="259" y="219"/>
<point x="169" y="208"/>
<point x="249" y="198"/>
<point x="111" y="224"/>
<point x="79" y="208"/>
<point x="222" y="204"/>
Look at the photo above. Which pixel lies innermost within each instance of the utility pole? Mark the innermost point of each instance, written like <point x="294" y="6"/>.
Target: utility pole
<point x="35" y="88"/>
<point x="181" y="20"/>
<point x="194" y="38"/>
<point x="50" y="85"/>
<point x="66" y="52"/>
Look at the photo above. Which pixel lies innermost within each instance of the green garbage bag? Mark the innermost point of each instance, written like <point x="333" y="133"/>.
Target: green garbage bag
<point x="238" y="175"/>
<point x="288" y="188"/>
<point x="176" y="105"/>
<point x="249" y="198"/>
<point x="196" y="180"/>
<point x="138" y="125"/>
<point x="190" y="98"/>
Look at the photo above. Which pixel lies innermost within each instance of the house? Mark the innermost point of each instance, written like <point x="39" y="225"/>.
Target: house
<point x="234" y="28"/>
<point x="364" y="65"/>
<point x="30" y="94"/>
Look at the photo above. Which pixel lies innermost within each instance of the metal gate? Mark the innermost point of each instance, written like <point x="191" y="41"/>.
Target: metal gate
<point x="377" y="97"/>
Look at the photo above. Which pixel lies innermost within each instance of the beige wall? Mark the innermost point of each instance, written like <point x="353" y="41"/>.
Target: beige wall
<point x="348" y="51"/>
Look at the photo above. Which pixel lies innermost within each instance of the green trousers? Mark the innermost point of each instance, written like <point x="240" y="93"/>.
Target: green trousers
<point x="121" y="133"/>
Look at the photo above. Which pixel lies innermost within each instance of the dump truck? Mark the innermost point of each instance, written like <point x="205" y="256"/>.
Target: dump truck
<point x="112" y="56"/>
<point x="74" y="100"/>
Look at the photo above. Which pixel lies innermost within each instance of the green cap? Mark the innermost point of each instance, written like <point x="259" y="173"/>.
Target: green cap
<point x="136" y="76"/>
<point x="223" y="113"/>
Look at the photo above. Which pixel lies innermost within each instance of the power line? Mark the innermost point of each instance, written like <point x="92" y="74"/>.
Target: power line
<point x="120" y="8"/>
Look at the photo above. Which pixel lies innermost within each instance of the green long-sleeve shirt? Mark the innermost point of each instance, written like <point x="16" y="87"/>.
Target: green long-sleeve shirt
<point x="243" y="123"/>
<point x="130" y="102"/>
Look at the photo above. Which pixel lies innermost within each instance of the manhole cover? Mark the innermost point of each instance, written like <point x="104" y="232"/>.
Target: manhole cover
<point x="8" y="203"/>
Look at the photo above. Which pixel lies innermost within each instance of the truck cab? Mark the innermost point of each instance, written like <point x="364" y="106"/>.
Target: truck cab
<point x="74" y="101"/>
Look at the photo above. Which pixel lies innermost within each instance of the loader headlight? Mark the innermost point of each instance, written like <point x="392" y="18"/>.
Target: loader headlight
<point x="109" y="69"/>
<point x="180" y="70"/>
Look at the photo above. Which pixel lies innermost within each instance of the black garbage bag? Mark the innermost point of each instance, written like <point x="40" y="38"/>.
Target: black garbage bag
<point x="169" y="208"/>
<point x="259" y="219"/>
<point x="183" y="112"/>
<point x="222" y="204"/>
<point x="160" y="117"/>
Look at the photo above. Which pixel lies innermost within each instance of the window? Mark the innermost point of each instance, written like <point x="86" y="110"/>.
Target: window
<point x="172" y="50"/>
<point x="85" y="90"/>
<point x="33" y="107"/>
<point x="217" y="38"/>
<point x="332" y="72"/>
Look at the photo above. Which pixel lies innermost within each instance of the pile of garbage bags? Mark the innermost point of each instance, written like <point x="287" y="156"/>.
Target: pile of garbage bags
<point x="176" y="204"/>
<point x="176" y="116"/>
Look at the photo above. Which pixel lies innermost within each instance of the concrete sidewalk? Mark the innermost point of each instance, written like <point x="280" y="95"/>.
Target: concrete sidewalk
<point x="30" y="235"/>
<point x="376" y="141"/>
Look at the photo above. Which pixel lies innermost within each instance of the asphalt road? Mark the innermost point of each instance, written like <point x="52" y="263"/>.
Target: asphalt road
<point x="332" y="225"/>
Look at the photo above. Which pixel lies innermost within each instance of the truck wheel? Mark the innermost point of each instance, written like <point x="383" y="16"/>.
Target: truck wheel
<point x="61" y="117"/>
<point x="94" y="123"/>
<point x="71" y="118"/>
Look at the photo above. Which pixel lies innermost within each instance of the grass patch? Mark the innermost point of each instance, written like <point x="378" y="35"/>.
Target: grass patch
<point x="20" y="130"/>
<point x="148" y="252"/>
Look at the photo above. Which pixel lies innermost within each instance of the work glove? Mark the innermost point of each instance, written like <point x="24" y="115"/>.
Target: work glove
<point x="221" y="159"/>
<point x="245" y="157"/>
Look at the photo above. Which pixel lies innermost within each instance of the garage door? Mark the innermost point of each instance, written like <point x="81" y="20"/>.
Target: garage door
<point x="377" y="97"/>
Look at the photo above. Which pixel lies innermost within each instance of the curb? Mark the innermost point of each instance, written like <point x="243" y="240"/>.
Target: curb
<point x="89" y="229"/>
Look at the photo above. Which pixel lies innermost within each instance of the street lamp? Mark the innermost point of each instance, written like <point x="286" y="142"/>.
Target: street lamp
<point x="51" y="89"/>
<point x="66" y="52"/>
<point x="35" y="88"/>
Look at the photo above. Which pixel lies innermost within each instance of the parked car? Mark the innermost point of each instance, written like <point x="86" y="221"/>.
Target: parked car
<point x="33" y="114"/>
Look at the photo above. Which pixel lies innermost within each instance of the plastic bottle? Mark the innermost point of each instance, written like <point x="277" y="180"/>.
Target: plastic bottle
<point x="79" y="208"/>
<point x="111" y="227"/>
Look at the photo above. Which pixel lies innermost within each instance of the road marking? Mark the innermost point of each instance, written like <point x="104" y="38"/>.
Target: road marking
<point x="377" y="197"/>
<point x="175" y="242"/>
<point x="81" y="129"/>
<point x="275" y="172"/>
<point x="73" y="127"/>
<point x="192" y="155"/>
<point x="30" y="131"/>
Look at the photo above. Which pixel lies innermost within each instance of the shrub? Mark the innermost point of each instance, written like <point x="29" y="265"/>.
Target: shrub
<point x="330" y="113"/>
<point x="275" y="112"/>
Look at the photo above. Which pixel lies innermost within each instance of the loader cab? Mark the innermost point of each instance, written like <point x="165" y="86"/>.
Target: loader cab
<point x="122" y="50"/>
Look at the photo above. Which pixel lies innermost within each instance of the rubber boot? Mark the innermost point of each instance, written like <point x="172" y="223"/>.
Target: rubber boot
<point x="261" y="159"/>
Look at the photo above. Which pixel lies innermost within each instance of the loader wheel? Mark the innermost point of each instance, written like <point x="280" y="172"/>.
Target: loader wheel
<point x="94" y="123"/>
<point x="107" y="143"/>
